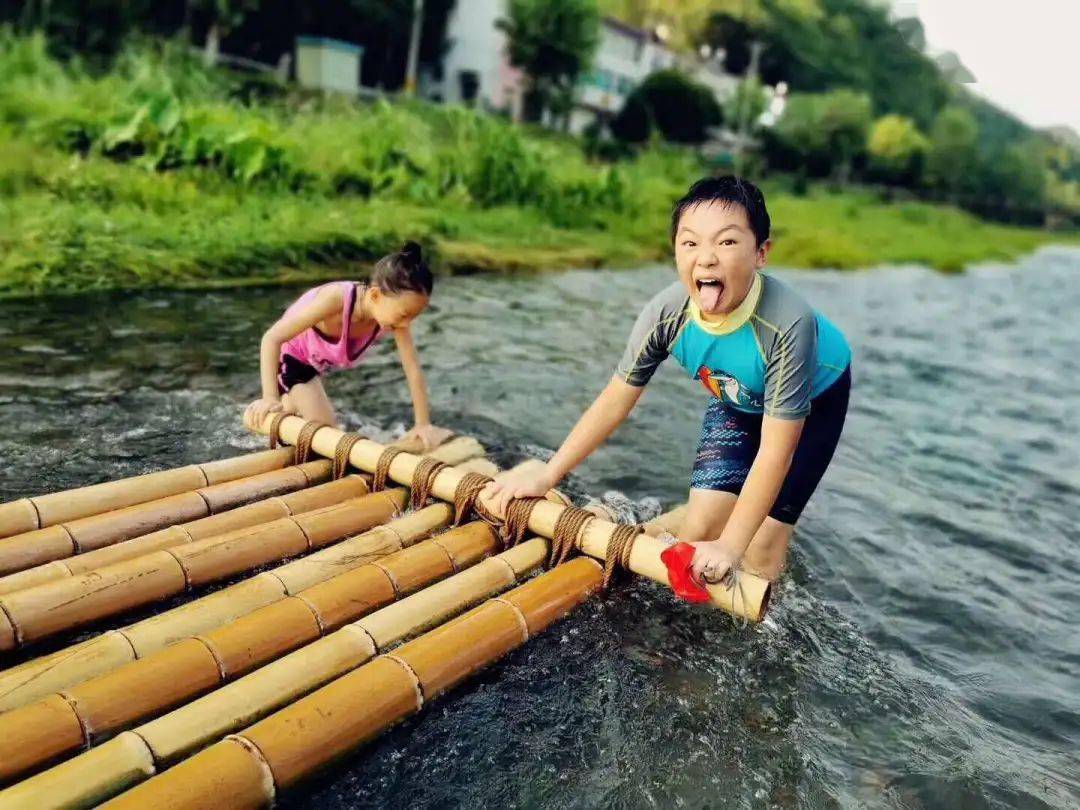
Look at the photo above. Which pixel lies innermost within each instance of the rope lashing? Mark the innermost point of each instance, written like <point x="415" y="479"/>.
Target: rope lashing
<point x="303" y="441"/>
<point x="422" y="480"/>
<point x="465" y="494"/>
<point x="341" y="453"/>
<point x="518" y="513"/>
<point x="618" y="551"/>
<point x="275" y="429"/>
<point x="382" y="468"/>
<point x="564" y="537"/>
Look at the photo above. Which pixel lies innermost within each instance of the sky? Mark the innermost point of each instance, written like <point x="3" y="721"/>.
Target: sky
<point x="1025" y="56"/>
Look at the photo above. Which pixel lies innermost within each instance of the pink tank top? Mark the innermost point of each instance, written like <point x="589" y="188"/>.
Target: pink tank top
<point x="320" y="352"/>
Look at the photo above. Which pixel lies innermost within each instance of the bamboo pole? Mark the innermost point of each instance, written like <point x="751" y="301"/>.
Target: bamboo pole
<point x="54" y="726"/>
<point x="98" y="531"/>
<point x="42" y="511"/>
<point x="53" y="607"/>
<point x="72" y="665"/>
<point x="252" y="514"/>
<point x="749" y="599"/>
<point x="130" y="758"/>
<point x="280" y="750"/>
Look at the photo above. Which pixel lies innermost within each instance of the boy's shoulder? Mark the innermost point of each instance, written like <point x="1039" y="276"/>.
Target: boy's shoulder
<point x="669" y="302"/>
<point x="780" y="305"/>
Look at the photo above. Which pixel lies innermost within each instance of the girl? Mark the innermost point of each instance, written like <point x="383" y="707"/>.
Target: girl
<point x="331" y="326"/>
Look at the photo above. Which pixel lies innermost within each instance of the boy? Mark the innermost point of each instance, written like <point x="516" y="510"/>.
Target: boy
<point x="777" y="370"/>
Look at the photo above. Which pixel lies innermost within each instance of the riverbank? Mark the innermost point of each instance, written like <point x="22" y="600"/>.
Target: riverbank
<point x="158" y="174"/>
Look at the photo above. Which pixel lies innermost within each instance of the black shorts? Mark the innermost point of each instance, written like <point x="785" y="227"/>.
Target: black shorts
<point x="730" y="440"/>
<point x="293" y="372"/>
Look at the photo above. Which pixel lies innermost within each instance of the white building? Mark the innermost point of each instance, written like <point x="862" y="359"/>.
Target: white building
<point x="624" y="57"/>
<point x="476" y="68"/>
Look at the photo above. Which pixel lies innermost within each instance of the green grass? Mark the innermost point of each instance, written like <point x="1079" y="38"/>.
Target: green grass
<point x="155" y="175"/>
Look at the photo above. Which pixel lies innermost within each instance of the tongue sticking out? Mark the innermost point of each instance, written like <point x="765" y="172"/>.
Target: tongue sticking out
<point x="710" y="296"/>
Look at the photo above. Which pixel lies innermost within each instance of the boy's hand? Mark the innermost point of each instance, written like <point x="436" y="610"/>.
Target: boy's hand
<point x="258" y="410"/>
<point x="429" y="436"/>
<point x="525" y="483"/>
<point x="711" y="562"/>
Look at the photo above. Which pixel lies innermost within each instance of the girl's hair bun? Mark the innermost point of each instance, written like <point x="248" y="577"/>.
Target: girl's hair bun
<point x="412" y="252"/>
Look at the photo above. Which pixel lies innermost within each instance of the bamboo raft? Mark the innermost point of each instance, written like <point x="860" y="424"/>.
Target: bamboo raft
<point x="369" y="580"/>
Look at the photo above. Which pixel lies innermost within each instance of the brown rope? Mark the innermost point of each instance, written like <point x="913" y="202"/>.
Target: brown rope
<point x="341" y="453"/>
<point x="465" y="494"/>
<point x="275" y="429"/>
<point x="382" y="468"/>
<point x="518" y="514"/>
<point x="422" y="480"/>
<point x="618" y="551"/>
<point x="303" y="441"/>
<point x="564" y="537"/>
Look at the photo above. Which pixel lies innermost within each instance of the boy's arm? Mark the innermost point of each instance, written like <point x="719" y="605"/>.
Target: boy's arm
<point x="598" y="422"/>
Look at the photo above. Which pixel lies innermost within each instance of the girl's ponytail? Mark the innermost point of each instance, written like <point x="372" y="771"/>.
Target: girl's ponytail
<point x="404" y="271"/>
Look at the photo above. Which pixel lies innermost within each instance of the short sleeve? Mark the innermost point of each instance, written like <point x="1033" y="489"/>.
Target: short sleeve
<point x="789" y="370"/>
<point x="646" y="349"/>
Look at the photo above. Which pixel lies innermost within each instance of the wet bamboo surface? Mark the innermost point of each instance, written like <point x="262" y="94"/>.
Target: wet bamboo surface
<point x="43" y="610"/>
<point x="252" y="514"/>
<point x="72" y="665"/>
<point x="66" y="721"/>
<point x="130" y="758"/>
<point x="748" y="599"/>
<point x="42" y="511"/>
<point x="72" y="537"/>
<point x="277" y="752"/>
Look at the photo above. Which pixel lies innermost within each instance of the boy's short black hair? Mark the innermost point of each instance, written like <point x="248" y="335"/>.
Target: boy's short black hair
<point x="729" y="190"/>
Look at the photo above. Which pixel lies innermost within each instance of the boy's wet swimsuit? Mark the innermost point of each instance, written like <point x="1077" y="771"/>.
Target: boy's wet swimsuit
<point x="772" y="355"/>
<point x="311" y="353"/>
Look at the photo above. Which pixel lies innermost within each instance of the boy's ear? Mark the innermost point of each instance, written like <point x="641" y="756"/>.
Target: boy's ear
<point x="763" y="252"/>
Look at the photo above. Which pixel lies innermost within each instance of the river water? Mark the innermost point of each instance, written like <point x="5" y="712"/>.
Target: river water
<point x="921" y="652"/>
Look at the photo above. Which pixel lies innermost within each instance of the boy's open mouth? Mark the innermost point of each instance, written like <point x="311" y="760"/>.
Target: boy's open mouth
<point x="710" y="291"/>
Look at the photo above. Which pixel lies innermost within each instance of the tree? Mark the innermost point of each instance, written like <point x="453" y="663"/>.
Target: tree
<point x="951" y="159"/>
<point x="826" y="131"/>
<point x="671" y="103"/>
<point x="224" y="16"/>
<point x="553" y="42"/>
<point x="896" y="149"/>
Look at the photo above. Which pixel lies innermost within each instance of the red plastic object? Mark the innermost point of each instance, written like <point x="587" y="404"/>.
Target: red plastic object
<point x="677" y="558"/>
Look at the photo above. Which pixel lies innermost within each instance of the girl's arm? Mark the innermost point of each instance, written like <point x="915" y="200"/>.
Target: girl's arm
<point x="779" y="437"/>
<point x="324" y="304"/>
<point x="429" y="435"/>
<point x="599" y="421"/>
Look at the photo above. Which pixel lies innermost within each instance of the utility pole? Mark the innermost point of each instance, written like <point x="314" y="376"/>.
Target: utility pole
<point x="748" y="83"/>
<point x="414" y="47"/>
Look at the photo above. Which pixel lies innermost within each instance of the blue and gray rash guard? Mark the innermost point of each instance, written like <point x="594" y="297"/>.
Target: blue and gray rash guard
<point x="771" y="355"/>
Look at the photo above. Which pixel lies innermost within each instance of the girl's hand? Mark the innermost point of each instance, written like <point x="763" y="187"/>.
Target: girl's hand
<point x="525" y="483"/>
<point x="711" y="562"/>
<point x="258" y="410"/>
<point x="430" y="436"/>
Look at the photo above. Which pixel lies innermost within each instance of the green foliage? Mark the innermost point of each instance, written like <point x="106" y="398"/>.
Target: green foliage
<point x="896" y="149"/>
<point x="827" y="131"/>
<point x="553" y="41"/>
<point x="950" y="161"/>
<point x="670" y="103"/>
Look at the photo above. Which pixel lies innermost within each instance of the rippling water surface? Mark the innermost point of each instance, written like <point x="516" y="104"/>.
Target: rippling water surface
<point x="922" y="652"/>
